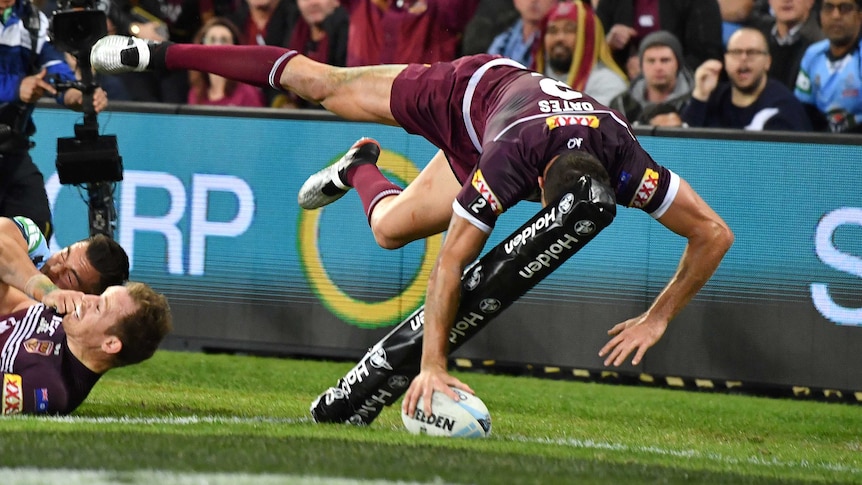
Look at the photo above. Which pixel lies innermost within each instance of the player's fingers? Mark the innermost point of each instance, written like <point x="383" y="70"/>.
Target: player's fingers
<point x="409" y="403"/>
<point x="639" y="355"/>
<point x="611" y="357"/>
<point x="610" y="345"/>
<point x="621" y="356"/>
<point x="464" y="387"/>
<point x="427" y="395"/>
<point x="616" y="329"/>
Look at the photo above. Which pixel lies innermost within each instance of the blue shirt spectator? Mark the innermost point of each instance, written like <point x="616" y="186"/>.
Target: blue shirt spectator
<point x="519" y="41"/>
<point x="830" y="75"/>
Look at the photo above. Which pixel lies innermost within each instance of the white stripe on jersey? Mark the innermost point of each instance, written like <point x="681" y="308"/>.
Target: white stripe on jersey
<point x="23" y="330"/>
<point x="471" y="91"/>
<point x="672" y="189"/>
<point x="577" y="113"/>
<point x="462" y="212"/>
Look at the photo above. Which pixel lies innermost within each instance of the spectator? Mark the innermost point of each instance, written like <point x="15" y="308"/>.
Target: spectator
<point x="696" y="23"/>
<point x="266" y="22"/>
<point x="664" y="80"/>
<point x="160" y="20"/>
<point x="492" y="17"/>
<point x="750" y="100"/>
<point x="321" y="35"/>
<point x="29" y="62"/>
<point x="790" y="32"/>
<point x="574" y="51"/>
<point x="830" y="74"/>
<point x="518" y="42"/>
<point x="212" y="90"/>
<point x="736" y="14"/>
<point x="405" y="31"/>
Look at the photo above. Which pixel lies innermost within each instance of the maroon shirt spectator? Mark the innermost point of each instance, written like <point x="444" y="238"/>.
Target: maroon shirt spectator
<point x="405" y="31"/>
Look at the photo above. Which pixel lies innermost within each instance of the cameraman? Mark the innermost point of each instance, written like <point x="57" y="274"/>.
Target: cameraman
<point x="27" y="62"/>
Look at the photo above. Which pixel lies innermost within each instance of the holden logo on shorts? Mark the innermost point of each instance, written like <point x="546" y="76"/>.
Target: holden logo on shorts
<point x="566" y="203"/>
<point x="398" y="382"/>
<point x="585" y="227"/>
<point x="333" y="394"/>
<point x="378" y="359"/>
<point x="475" y="278"/>
<point x="489" y="305"/>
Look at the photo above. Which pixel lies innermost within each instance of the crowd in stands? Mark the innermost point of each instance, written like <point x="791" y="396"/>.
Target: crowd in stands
<point x="747" y="64"/>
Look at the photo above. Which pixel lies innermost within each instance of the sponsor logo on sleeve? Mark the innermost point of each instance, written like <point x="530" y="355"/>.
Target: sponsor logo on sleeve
<point x="572" y="120"/>
<point x="41" y="395"/>
<point x="13" y="397"/>
<point x="647" y="188"/>
<point x="803" y="83"/>
<point x="485" y="191"/>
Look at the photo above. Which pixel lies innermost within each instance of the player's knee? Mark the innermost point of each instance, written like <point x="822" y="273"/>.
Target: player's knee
<point x="385" y="235"/>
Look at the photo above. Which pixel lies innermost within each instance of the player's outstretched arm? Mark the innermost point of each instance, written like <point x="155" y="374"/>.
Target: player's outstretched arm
<point x="709" y="238"/>
<point x="17" y="271"/>
<point x="463" y="243"/>
<point x="15" y="265"/>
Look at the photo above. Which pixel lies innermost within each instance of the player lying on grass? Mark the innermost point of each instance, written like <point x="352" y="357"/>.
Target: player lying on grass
<point x="505" y="134"/>
<point x="52" y="353"/>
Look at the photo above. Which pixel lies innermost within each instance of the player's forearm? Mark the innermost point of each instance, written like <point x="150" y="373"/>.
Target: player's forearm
<point x="699" y="261"/>
<point x="16" y="269"/>
<point x="441" y="304"/>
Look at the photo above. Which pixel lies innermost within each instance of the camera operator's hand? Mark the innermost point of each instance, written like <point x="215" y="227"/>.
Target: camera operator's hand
<point x="74" y="99"/>
<point x="33" y="87"/>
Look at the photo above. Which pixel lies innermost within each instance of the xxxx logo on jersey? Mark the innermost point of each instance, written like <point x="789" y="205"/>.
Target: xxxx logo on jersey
<point x="572" y="120"/>
<point x="13" y="394"/>
<point x="485" y="191"/>
<point x="647" y="188"/>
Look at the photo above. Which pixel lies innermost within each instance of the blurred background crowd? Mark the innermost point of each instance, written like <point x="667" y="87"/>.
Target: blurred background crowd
<point x="748" y="64"/>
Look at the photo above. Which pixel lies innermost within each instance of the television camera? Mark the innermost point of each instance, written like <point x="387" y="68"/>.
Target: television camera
<point x="88" y="159"/>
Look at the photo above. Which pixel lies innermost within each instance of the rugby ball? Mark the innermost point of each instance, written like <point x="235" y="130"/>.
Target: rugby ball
<point x="467" y="418"/>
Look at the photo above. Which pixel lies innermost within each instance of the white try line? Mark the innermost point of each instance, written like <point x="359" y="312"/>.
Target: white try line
<point x="571" y="442"/>
<point x="39" y="476"/>
<point x="172" y="420"/>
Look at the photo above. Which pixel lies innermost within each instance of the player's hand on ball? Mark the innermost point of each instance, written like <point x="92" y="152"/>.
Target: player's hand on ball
<point x="424" y="386"/>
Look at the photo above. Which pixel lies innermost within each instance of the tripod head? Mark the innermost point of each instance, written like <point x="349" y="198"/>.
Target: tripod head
<point x="87" y="159"/>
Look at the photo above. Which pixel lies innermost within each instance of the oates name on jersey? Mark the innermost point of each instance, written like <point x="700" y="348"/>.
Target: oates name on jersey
<point x="562" y="106"/>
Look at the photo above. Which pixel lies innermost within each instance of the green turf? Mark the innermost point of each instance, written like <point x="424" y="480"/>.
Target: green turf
<point x="250" y="415"/>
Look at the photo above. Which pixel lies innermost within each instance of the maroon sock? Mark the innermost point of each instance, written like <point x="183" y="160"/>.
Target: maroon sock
<point x="371" y="185"/>
<point x="260" y="65"/>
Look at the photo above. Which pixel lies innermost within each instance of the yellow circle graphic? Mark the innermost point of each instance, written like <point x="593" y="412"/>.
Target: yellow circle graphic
<point x="358" y="312"/>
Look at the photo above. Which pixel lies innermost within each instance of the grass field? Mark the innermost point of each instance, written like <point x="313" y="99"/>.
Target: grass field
<point x="195" y="418"/>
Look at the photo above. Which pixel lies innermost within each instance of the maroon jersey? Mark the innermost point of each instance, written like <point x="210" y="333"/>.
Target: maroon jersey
<point x="500" y="124"/>
<point x="40" y="375"/>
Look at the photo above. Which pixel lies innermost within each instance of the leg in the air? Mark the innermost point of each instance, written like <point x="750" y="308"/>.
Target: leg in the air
<point x="423" y="209"/>
<point x="354" y="93"/>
